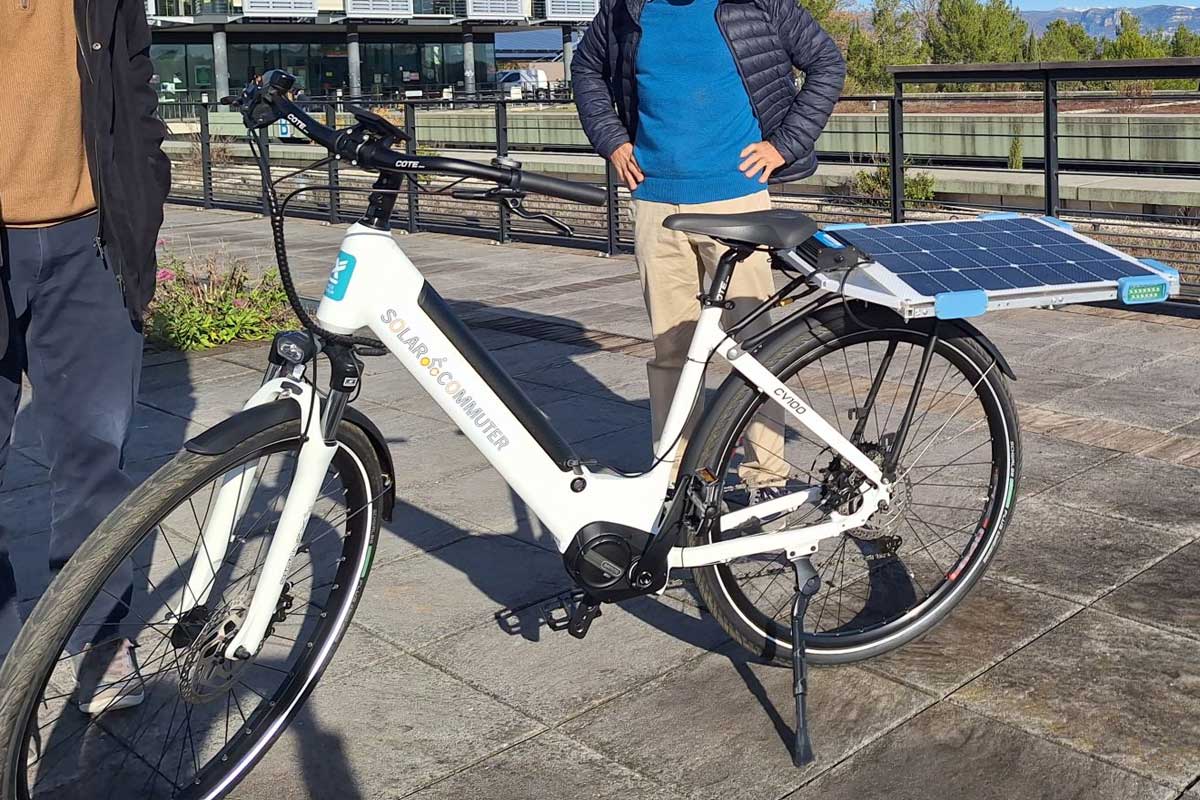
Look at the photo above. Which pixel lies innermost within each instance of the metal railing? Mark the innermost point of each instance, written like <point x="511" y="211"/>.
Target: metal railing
<point x="1122" y="164"/>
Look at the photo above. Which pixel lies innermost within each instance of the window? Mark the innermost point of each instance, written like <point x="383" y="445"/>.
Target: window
<point x="452" y="55"/>
<point x="431" y="64"/>
<point x="200" y="67"/>
<point x="264" y="57"/>
<point x="406" y="60"/>
<point x="331" y="68"/>
<point x="294" y="59"/>
<point x="485" y="64"/>
<point x="240" y="71"/>
<point x="170" y="64"/>
<point x="377" y="76"/>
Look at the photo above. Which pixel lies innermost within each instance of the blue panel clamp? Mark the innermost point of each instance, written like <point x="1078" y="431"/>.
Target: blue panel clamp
<point x="960" y="305"/>
<point x="1169" y="272"/>
<point x="827" y="240"/>
<point x="1062" y="223"/>
<point x="1136" y="289"/>
<point x="845" y="226"/>
<point x="1000" y="215"/>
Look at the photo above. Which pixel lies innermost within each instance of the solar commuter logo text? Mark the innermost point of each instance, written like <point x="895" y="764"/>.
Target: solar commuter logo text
<point x="444" y="378"/>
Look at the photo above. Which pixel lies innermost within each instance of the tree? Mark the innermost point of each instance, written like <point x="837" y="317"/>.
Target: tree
<point x="1185" y="43"/>
<point x="1032" y="51"/>
<point x="970" y="31"/>
<point x="1064" y="41"/>
<point x="893" y="39"/>
<point x="832" y="16"/>
<point x="1130" y="42"/>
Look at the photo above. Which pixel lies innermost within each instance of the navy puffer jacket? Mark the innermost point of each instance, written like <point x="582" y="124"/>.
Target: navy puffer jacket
<point x="767" y="37"/>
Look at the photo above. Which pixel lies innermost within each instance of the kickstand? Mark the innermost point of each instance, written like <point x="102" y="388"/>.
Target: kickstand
<point x="808" y="583"/>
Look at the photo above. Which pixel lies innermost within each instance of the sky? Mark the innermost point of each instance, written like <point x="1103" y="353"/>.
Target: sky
<point x="553" y="38"/>
<point x="1044" y="5"/>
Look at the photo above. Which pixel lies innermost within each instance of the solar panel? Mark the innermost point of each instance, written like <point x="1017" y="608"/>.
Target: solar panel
<point x="990" y="255"/>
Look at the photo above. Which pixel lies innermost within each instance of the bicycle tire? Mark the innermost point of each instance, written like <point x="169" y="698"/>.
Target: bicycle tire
<point x="789" y="351"/>
<point x="27" y="670"/>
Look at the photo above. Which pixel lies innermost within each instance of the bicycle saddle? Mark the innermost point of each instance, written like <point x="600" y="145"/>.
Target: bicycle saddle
<point x="776" y="228"/>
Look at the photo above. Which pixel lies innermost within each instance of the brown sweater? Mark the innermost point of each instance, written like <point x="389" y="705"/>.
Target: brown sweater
<point x="44" y="174"/>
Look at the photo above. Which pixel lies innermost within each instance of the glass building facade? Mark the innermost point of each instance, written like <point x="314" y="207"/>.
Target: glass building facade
<point x="389" y="65"/>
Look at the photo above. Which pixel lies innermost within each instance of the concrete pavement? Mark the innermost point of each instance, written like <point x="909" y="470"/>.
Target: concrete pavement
<point x="1070" y="672"/>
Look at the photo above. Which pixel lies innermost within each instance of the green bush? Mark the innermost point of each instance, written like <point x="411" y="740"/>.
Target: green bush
<point x="1016" y="158"/>
<point x="876" y="184"/>
<point x="195" y="309"/>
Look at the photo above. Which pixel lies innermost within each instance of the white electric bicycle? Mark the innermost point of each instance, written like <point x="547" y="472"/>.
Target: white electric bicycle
<point x="249" y="551"/>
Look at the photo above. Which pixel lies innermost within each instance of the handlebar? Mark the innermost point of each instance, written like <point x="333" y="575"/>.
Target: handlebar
<point x="263" y="105"/>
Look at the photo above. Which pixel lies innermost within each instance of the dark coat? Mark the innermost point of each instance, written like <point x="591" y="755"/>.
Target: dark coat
<point x="767" y="37"/>
<point x="123" y="139"/>
<point x="130" y="173"/>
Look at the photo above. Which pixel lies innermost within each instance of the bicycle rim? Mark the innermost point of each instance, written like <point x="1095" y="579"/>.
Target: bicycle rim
<point x="202" y="725"/>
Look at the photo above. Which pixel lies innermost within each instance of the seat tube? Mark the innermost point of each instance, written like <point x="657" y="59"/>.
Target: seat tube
<point x="707" y="337"/>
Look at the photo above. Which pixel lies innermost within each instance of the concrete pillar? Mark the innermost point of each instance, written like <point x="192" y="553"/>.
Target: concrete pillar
<point x="354" y="63"/>
<point x="568" y="51"/>
<point x="468" y="62"/>
<point x="221" y="62"/>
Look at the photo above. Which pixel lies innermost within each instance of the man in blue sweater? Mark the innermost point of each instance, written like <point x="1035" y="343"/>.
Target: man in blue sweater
<point x="695" y="103"/>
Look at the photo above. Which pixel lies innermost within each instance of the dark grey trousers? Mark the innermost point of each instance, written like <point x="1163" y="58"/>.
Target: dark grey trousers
<point x="70" y="333"/>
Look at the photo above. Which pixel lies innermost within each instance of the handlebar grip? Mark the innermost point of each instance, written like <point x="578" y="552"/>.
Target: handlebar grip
<point x="567" y="190"/>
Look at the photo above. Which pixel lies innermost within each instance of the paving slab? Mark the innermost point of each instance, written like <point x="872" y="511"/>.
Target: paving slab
<point x="720" y="726"/>
<point x="1049" y="460"/>
<point x="1162" y="395"/>
<point x="1153" y="333"/>
<point x="629" y="644"/>
<point x="485" y="502"/>
<point x="1124" y="692"/>
<point x="417" y="529"/>
<point x="1140" y="489"/>
<point x="1077" y="554"/>
<point x="993" y="621"/>
<point x="1036" y="384"/>
<point x="520" y="773"/>
<point x="580" y="418"/>
<point x="1086" y="356"/>
<point x="1166" y="596"/>
<point x="947" y="752"/>
<point x="417" y="600"/>
<point x="384" y="731"/>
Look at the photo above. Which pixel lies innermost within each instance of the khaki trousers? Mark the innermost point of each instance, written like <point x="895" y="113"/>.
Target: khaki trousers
<point x="673" y="265"/>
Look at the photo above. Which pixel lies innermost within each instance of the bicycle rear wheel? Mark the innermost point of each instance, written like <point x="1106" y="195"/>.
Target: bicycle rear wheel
<point x="893" y="579"/>
<point x="204" y="721"/>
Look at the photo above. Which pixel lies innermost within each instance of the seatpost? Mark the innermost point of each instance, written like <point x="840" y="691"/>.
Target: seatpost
<point x="715" y="296"/>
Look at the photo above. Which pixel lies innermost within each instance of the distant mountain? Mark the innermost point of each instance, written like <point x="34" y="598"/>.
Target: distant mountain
<point x="1103" y="21"/>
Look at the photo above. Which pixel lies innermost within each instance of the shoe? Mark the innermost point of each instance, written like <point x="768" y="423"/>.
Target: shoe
<point x="108" y="678"/>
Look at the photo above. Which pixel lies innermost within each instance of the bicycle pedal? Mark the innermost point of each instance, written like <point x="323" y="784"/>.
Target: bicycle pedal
<point x="557" y="612"/>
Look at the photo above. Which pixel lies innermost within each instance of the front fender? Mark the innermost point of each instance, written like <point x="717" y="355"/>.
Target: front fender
<point x="227" y="434"/>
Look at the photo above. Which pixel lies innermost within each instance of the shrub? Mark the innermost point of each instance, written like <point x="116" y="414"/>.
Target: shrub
<point x="876" y="184"/>
<point x="1016" y="158"/>
<point x="195" y="309"/>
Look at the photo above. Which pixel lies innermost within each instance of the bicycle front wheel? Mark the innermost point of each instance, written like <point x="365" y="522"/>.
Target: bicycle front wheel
<point x="181" y="721"/>
<point x="893" y="579"/>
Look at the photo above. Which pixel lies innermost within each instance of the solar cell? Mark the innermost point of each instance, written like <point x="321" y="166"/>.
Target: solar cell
<point x="988" y="254"/>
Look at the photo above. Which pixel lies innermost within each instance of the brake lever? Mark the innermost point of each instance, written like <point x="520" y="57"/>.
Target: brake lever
<point x="514" y="205"/>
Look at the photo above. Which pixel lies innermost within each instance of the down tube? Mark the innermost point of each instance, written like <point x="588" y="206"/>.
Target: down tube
<point x="454" y="384"/>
